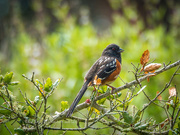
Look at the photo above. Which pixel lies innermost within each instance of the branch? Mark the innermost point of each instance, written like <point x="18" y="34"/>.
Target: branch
<point x="166" y="86"/>
<point x="81" y="106"/>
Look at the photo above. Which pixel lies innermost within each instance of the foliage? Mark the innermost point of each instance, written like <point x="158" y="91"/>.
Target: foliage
<point x="33" y="118"/>
<point x="27" y="113"/>
<point x="71" y="49"/>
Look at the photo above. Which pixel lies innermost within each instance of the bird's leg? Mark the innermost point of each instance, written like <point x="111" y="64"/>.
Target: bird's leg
<point x="96" y="90"/>
<point x="113" y="88"/>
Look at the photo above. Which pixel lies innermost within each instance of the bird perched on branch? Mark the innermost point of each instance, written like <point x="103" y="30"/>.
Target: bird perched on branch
<point x="103" y="72"/>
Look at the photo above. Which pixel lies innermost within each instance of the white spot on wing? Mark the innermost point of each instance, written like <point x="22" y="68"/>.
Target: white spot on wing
<point x="100" y="60"/>
<point x="114" y="61"/>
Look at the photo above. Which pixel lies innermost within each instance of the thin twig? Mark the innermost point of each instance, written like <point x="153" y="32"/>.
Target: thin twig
<point x="166" y="86"/>
<point x="81" y="106"/>
<point x="8" y="129"/>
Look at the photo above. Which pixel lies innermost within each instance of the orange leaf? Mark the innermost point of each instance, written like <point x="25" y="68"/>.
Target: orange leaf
<point x="149" y="75"/>
<point x="159" y="97"/>
<point x="145" y="58"/>
<point x="152" y="67"/>
<point x="41" y="89"/>
<point x="172" y="92"/>
<point x="148" y="79"/>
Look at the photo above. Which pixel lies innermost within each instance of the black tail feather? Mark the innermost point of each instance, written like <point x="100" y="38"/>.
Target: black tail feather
<point x="77" y="99"/>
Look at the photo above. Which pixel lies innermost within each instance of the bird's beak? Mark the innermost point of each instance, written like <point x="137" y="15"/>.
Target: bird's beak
<point x="121" y="50"/>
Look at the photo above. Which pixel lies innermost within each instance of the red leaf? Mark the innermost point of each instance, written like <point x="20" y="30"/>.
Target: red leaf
<point x="162" y="125"/>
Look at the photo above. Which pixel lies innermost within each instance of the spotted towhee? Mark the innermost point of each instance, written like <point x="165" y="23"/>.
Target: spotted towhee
<point x="103" y="72"/>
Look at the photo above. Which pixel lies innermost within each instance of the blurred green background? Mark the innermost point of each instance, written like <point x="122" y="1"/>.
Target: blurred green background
<point x="63" y="38"/>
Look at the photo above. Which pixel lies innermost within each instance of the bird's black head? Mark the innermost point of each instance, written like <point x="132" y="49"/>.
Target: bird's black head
<point x="112" y="50"/>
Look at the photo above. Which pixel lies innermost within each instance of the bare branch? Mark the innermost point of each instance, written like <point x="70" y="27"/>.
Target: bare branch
<point x="81" y="106"/>
<point x="8" y="129"/>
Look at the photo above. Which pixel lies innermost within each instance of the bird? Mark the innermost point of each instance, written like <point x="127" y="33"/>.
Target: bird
<point x="103" y="72"/>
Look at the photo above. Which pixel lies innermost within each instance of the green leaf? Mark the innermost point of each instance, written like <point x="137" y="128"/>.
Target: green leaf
<point x="118" y="94"/>
<point x="5" y="111"/>
<point x="14" y="83"/>
<point x="8" y="77"/>
<point x="142" y="127"/>
<point x="55" y="84"/>
<point x="48" y="85"/>
<point x="1" y="78"/>
<point x="175" y="100"/>
<point x="31" y="111"/>
<point x="64" y="105"/>
<point x="36" y="100"/>
<point x="137" y="124"/>
<point x="19" y="131"/>
<point x="137" y="116"/>
<point x="39" y="83"/>
<point x="101" y="101"/>
<point x="170" y="132"/>
<point x="31" y="108"/>
<point x="127" y="118"/>
<point x="90" y="109"/>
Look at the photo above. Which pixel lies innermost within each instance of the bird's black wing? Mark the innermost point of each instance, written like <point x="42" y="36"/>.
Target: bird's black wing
<point x="106" y="66"/>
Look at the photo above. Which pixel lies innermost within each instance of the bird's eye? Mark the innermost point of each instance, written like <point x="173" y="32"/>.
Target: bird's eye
<point x="113" y="49"/>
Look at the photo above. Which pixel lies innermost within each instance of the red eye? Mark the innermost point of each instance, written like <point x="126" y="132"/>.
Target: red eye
<point x="113" y="49"/>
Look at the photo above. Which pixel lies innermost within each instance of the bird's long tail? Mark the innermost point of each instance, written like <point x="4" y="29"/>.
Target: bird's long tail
<point x="77" y="99"/>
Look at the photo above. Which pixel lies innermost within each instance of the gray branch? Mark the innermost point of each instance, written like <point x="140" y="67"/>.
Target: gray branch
<point x="81" y="106"/>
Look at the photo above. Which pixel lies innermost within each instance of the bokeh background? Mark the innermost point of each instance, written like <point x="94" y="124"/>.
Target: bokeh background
<point x="63" y="38"/>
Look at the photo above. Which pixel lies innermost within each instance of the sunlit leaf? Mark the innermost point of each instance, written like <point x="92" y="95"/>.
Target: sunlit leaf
<point x="39" y="83"/>
<point x="101" y="101"/>
<point x="42" y="91"/>
<point x="48" y="85"/>
<point x="97" y="111"/>
<point x="90" y="110"/>
<point x="31" y="111"/>
<point x="172" y="92"/>
<point x="64" y="105"/>
<point x="14" y="83"/>
<point x="36" y="100"/>
<point x="8" y="78"/>
<point x="55" y="84"/>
